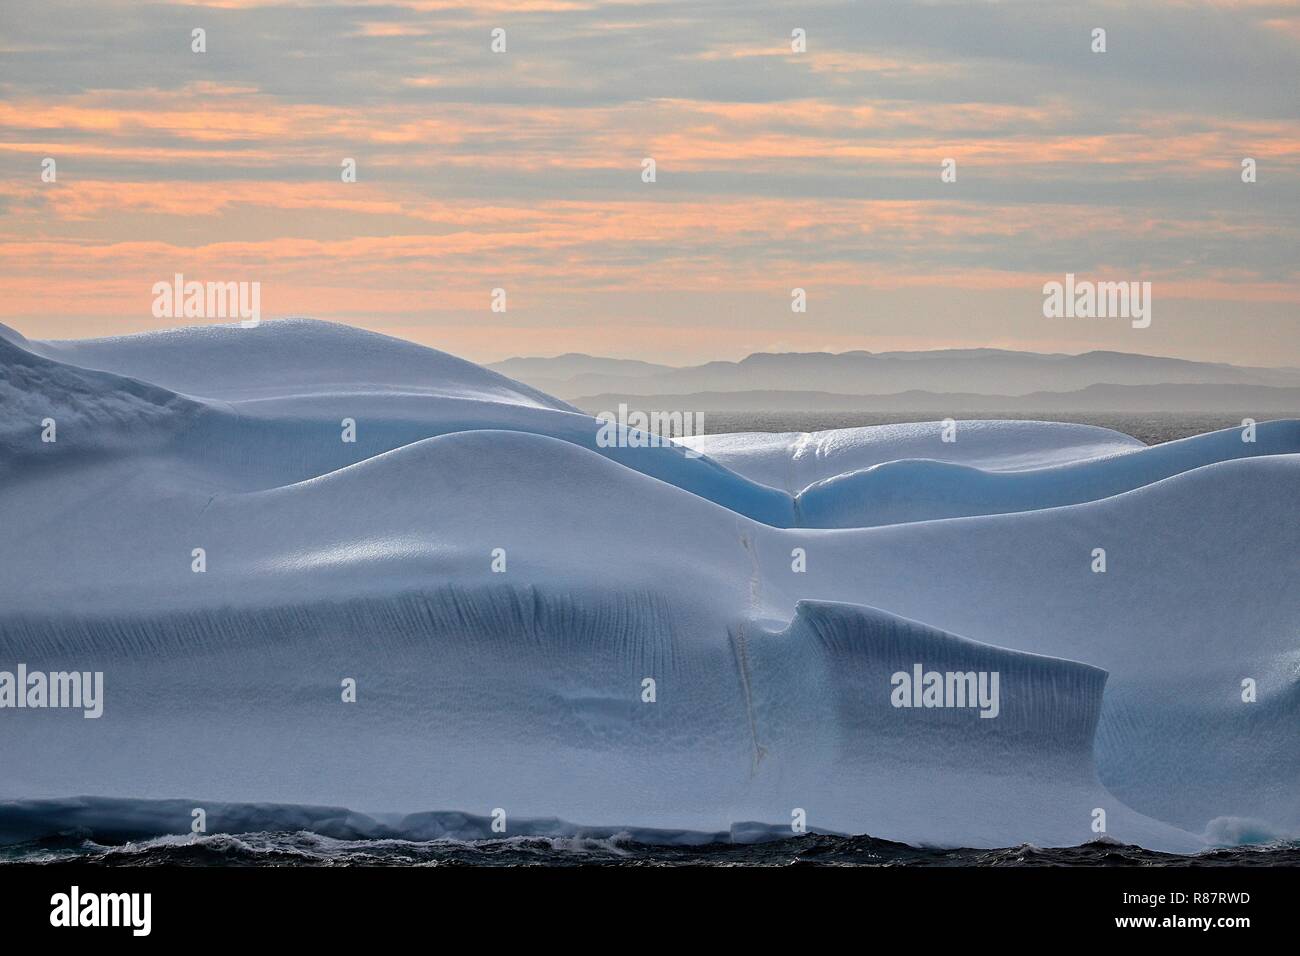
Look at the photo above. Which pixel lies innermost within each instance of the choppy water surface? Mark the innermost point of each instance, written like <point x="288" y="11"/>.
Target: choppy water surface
<point x="309" y="849"/>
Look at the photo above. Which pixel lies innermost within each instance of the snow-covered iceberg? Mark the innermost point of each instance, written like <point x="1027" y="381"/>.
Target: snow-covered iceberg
<point x="622" y="637"/>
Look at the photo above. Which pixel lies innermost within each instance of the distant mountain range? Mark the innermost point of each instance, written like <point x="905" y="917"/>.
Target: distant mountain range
<point x="956" y="380"/>
<point x="1262" y="399"/>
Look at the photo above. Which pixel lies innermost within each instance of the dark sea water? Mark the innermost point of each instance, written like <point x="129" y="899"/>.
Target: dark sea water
<point x="301" y="848"/>
<point x="310" y="849"/>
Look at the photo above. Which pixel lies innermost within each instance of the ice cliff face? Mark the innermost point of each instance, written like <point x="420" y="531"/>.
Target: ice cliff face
<point x="624" y="636"/>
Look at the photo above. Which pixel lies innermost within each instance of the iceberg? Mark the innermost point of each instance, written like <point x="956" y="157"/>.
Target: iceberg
<point x="473" y="612"/>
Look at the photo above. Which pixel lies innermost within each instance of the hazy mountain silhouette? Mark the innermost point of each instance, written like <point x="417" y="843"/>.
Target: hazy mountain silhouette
<point x="1253" y="399"/>
<point x="963" y="378"/>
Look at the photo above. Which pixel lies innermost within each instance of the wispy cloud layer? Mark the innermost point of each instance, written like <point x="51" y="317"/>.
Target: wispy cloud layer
<point x="775" y="169"/>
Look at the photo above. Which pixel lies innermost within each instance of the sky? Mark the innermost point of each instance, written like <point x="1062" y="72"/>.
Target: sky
<point x="522" y="170"/>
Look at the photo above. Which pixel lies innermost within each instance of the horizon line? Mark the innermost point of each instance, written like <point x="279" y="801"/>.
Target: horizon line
<point x="618" y="358"/>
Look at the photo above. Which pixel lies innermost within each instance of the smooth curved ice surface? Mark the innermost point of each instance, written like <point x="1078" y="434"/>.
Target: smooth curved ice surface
<point x="236" y="434"/>
<point x="522" y="689"/>
<point x="289" y="358"/>
<point x="791" y="461"/>
<point x="920" y="489"/>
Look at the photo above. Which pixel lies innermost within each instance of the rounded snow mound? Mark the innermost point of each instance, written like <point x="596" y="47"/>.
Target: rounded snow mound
<point x="290" y="357"/>
<point x="791" y="461"/>
<point x="50" y="407"/>
<point x="907" y="490"/>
